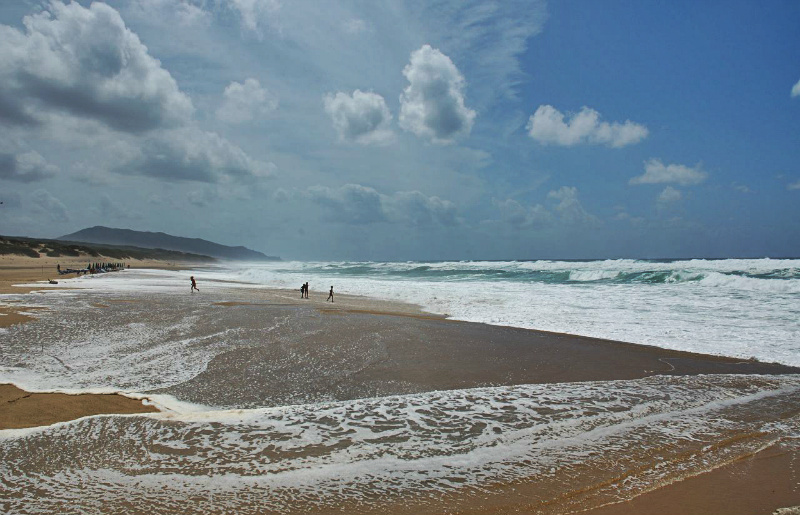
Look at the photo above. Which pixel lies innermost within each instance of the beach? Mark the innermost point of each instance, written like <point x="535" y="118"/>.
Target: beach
<point x="244" y="397"/>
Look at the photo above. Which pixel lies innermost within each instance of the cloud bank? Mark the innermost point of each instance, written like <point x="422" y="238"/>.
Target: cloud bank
<point x="796" y="90"/>
<point x="547" y="126"/>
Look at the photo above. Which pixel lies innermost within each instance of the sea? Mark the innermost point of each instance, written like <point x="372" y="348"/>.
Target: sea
<point x="574" y="445"/>
<point x="748" y="308"/>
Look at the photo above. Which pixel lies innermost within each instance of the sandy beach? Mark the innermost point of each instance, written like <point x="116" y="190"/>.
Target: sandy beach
<point x="294" y="352"/>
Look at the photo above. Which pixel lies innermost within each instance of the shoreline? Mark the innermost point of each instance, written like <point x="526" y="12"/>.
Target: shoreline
<point x="455" y="354"/>
<point x="508" y="347"/>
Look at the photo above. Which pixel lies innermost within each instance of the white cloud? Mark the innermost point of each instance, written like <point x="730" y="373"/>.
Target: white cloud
<point x="244" y="102"/>
<point x="432" y="105"/>
<point x="569" y="207"/>
<point x="362" y="117"/>
<point x="27" y="167"/>
<point x="254" y="13"/>
<point x="796" y="90"/>
<point x="656" y="172"/>
<point x="85" y="62"/>
<point x="547" y="126"/>
<point x="184" y="13"/>
<point x="44" y="202"/>
<point x="356" y="204"/>
<point x="190" y="154"/>
<point x="669" y="196"/>
<point x="794" y="186"/>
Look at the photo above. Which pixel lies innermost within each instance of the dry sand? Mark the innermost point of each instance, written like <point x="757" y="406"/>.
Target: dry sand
<point x="15" y="270"/>
<point x="755" y="485"/>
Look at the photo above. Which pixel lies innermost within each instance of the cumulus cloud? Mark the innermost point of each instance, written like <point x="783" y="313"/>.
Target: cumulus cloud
<point x="796" y="90"/>
<point x="669" y="196"/>
<point x="432" y="105"/>
<point x="656" y="172"/>
<point x="569" y="207"/>
<point x="190" y="154"/>
<point x="523" y="217"/>
<point x="27" y="167"/>
<point x="243" y="102"/>
<point x="85" y="62"/>
<point x="360" y="117"/>
<point x="44" y="202"/>
<point x="547" y="126"/>
<point x="356" y="204"/>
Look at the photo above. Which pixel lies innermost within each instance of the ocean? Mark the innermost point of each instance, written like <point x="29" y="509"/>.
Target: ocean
<point x="222" y="445"/>
<point x="748" y="308"/>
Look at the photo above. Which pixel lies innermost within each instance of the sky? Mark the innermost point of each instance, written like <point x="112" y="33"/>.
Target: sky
<point x="417" y="130"/>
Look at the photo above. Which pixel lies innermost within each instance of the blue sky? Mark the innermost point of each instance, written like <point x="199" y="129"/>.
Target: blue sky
<point x="407" y="130"/>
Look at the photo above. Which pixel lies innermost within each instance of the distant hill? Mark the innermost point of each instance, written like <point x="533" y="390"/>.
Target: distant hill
<point x="160" y="240"/>
<point x="37" y="247"/>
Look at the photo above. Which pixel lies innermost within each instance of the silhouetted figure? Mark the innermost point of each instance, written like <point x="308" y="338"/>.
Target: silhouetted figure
<point x="303" y="291"/>
<point x="194" y="285"/>
<point x="330" y="295"/>
<point x="306" y="289"/>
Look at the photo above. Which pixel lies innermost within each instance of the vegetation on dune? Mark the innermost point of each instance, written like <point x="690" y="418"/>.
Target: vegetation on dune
<point x="33" y="247"/>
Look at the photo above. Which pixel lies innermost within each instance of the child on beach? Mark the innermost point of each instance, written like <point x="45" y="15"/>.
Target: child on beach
<point x="194" y="285"/>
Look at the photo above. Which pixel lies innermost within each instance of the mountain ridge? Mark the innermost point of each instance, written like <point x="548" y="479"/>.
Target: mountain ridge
<point x="160" y="240"/>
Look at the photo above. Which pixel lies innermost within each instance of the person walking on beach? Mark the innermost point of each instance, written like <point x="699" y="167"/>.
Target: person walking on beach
<point x="194" y="285"/>
<point x="306" y="289"/>
<point x="330" y="295"/>
<point x="303" y="291"/>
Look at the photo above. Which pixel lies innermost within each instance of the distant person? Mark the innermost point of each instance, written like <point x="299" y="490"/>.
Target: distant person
<point x="194" y="285"/>
<point x="303" y="291"/>
<point x="306" y="289"/>
<point x="330" y="295"/>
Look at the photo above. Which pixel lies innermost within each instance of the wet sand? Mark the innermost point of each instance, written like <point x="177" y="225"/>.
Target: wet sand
<point x="757" y="485"/>
<point x="370" y="348"/>
<point x="21" y="409"/>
